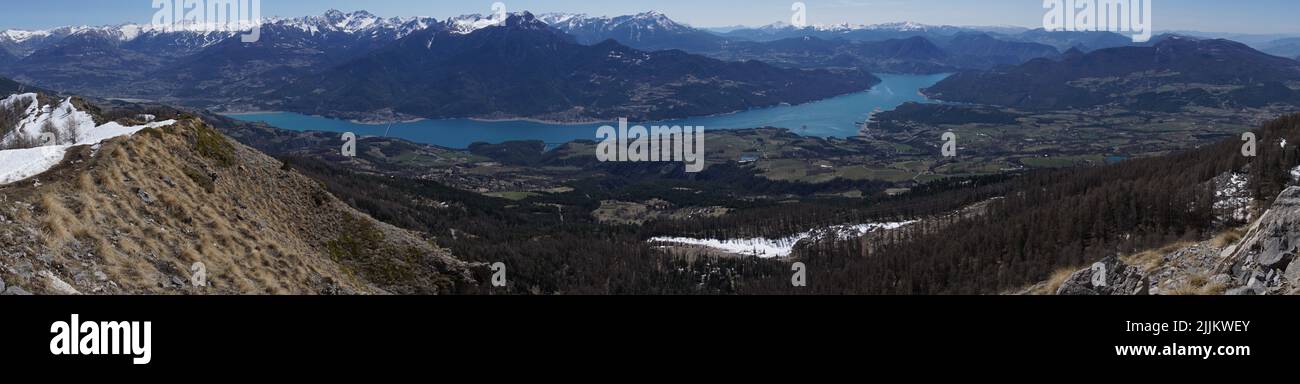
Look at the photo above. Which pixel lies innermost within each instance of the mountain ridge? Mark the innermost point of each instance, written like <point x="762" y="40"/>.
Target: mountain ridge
<point x="645" y="31"/>
<point x="524" y="68"/>
<point x="1078" y="81"/>
<point x="217" y="70"/>
<point x="145" y="214"/>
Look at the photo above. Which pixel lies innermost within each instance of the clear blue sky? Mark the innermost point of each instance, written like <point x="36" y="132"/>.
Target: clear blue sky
<point x="1241" y="16"/>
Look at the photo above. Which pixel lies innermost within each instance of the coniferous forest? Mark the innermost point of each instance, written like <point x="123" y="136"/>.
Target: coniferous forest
<point x="1034" y="224"/>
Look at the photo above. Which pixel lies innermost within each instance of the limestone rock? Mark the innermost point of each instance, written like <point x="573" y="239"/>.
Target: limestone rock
<point x="1107" y="277"/>
<point x="15" y="291"/>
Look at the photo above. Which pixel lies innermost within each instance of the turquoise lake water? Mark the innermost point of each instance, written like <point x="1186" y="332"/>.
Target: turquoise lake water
<point x="835" y="117"/>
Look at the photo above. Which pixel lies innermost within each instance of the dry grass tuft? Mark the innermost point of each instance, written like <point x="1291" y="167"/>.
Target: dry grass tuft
<point x="256" y="229"/>
<point x="1214" y="289"/>
<point x="1228" y="237"/>
<point x="1150" y="260"/>
<point x="58" y="222"/>
<point x="1198" y="285"/>
<point x="1054" y="283"/>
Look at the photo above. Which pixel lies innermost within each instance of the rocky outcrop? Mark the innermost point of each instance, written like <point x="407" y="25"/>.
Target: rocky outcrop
<point x="1263" y="262"/>
<point x="1108" y="277"/>
<point x="12" y="290"/>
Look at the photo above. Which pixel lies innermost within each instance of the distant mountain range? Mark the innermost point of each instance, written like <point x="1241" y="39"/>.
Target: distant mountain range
<point x="974" y="50"/>
<point x="337" y="35"/>
<point x="1289" y="47"/>
<point x="1170" y="74"/>
<point x="877" y="32"/>
<point x="894" y="47"/>
<point x="981" y="50"/>
<point x="88" y="59"/>
<point x="649" y="31"/>
<point x="217" y="70"/>
<point x="523" y="68"/>
<point x="941" y="35"/>
<point x="910" y="55"/>
<point x="147" y="62"/>
<point x="1082" y="41"/>
<point x="234" y="72"/>
<point x="22" y="43"/>
<point x="7" y="58"/>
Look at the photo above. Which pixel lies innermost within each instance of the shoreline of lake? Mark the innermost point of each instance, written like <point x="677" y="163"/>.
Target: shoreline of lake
<point x="376" y="120"/>
<point x="834" y="117"/>
<point x="534" y="120"/>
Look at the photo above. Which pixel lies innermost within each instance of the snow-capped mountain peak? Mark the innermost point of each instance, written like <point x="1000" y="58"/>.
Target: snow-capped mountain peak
<point x="120" y="33"/>
<point x="357" y="22"/>
<point x="776" y="26"/>
<point x="904" y="26"/>
<point x="466" y="24"/>
<point x="351" y="22"/>
<point x="562" y="18"/>
<point x="21" y="36"/>
<point x="187" y="35"/>
<point x="24" y="36"/>
<point x="652" y="20"/>
<point x="655" y="16"/>
<point x="837" y="27"/>
<point x="649" y="21"/>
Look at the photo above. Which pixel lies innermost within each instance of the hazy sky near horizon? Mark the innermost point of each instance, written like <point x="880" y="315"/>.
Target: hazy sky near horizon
<point x="1239" y="16"/>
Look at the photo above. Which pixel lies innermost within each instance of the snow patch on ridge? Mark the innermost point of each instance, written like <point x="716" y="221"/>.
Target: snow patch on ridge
<point x="70" y="124"/>
<point x="19" y="164"/>
<point x="74" y="128"/>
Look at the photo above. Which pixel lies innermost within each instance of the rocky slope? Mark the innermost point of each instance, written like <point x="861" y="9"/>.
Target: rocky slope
<point x="1262" y="263"/>
<point x="154" y="212"/>
<point x="1258" y="261"/>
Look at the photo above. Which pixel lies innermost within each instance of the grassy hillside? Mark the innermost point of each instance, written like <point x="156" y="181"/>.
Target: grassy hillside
<point x="135" y="214"/>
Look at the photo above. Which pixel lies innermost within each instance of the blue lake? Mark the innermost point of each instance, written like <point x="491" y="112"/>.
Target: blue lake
<point x="835" y="117"/>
